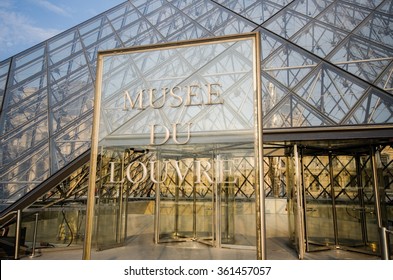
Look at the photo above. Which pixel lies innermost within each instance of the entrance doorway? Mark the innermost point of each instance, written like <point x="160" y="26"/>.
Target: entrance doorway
<point x="344" y="199"/>
<point x="207" y="197"/>
<point x="339" y="203"/>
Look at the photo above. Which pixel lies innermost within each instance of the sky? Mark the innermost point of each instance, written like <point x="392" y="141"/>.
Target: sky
<point x="25" y="23"/>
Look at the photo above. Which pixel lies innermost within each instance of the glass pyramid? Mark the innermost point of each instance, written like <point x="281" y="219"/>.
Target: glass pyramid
<point x="324" y="63"/>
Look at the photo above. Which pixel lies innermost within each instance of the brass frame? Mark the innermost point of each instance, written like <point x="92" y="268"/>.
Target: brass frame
<point x="260" y="196"/>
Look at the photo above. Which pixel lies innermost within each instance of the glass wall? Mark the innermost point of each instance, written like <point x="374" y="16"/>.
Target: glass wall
<point x="192" y="110"/>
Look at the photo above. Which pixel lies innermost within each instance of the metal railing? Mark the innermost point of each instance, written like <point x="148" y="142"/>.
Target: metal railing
<point x="385" y="246"/>
<point x="18" y="215"/>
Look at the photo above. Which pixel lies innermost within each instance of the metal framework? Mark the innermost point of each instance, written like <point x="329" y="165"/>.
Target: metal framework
<point x="327" y="66"/>
<point x="325" y="63"/>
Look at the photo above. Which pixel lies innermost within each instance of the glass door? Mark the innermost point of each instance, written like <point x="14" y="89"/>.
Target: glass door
<point x="319" y="226"/>
<point x="355" y="203"/>
<point x="295" y="202"/>
<point x="186" y="201"/>
<point x="339" y="203"/>
<point x="111" y="198"/>
<point x="236" y="192"/>
<point x="208" y="199"/>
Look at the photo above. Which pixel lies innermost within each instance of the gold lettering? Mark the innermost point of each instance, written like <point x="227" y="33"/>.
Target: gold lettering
<point x="128" y="98"/>
<point x="211" y="92"/>
<point x="152" y="101"/>
<point x="191" y="94"/>
<point x="179" y="98"/>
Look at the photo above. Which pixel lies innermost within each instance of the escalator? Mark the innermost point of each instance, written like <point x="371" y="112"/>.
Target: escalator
<point x="8" y="217"/>
<point x="61" y="203"/>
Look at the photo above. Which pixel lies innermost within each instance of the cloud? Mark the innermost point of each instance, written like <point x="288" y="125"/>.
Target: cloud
<point x="17" y="33"/>
<point x="53" y="8"/>
<point x="6" y="4"/>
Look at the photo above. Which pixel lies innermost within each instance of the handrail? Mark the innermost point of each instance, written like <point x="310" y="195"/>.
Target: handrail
<point x="6" y="216"/>
<point x="18" y="214"/>
<point x="51" y="182"/>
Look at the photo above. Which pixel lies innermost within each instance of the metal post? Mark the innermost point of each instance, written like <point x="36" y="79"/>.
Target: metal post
<point x="157" y="202"/>
<point x="157" y="214"/>
<point x="303" y="204"/>
<point x="333" y="195"/>
<point x="90" y="207"/>
<point x="259" y="188"/>
<point x="34" y="236"/>
<point x="299" y="206"/>
<point x="17" y="233"/>
<point x="177" y="194"/>
<point x="194" y="207"/>
<point x="382" y="231"/>
<point x="361" y="199"/>
<point x="120" y="212"/>
<point x="217" y="194"/>
<point x="384" y="243"/>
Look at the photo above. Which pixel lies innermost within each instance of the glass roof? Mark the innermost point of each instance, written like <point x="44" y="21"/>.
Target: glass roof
<point x="325" y="63"/>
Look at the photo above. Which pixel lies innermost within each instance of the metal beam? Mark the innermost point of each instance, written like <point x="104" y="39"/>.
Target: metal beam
<point x="45" y="186"/>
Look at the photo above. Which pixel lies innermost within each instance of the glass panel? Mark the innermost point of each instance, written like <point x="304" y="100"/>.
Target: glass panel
<point x="289" y="65"/>
<point x="302" y="115"/>
<point x="375" y="108"/>
<point x="386" y="161"/>
<point x="26" y="102"/>
<point x="72" y="110"/>
<point x="73" y="142"/>
<point x="132" y="18"/>
<point x="71" y="85"/>
<point x="270" y="43"/>
<point x="4" y="68"/>
<point x="150" y="6"/>
<point x="293" y="206"/>
<point x="256" y="11"/>
<point x="120" y="11"/>
<point x="343" y="15"/>
<point x="238" y="198"/>
<point x="186" y="203"/>
<point x="60" y="228"/>
<point x="318" y="207"/>
<point x="386" y="80"/>
<point x="386" y="7"/>
<point x="24" y="176"/>
<point x="177" y="24"/>
<point x="367" y="205"/>
<point x="200" y="8"/>
<point x="161" y="15"/>
<point x="318" y="38"/>
<point x="190" y="32"/>
<point x="333" y="93"/>
<point x="31" y="55"/>
<point x="311" y="8"/>
<point x="165" y="102"/>
<point x="366" y="3"/>
<point x="28" y="136"/>
<point x="235" y="26"/>
<point x="111" y="202"/>
<point x="365" y="60"/>
<point x="378" y="28"/>
<point x="286" y="23"/>
<point x="354" y="204"/>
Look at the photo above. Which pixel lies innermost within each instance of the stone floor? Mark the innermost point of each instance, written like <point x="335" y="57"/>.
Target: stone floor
<point x="143" y="248"/>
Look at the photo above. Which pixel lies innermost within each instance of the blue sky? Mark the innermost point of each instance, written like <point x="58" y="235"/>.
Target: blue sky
<point x="25" y="23"/>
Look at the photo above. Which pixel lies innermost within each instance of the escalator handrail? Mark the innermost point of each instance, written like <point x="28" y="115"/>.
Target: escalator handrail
<point x="44" y="187"/>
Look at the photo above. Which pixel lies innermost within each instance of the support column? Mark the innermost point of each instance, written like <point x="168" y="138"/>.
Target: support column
<point x="383" y="241"/>
<point x="299" y="206"/>
<point x="157" y="203"/>
<point x="333" y="195"/>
